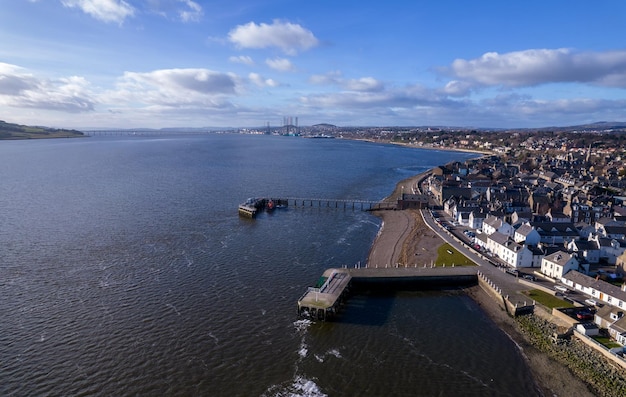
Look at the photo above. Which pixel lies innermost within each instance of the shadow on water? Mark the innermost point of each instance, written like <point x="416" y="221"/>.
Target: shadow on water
<point x="371" y="303"/>
<point x="367" y="309"/>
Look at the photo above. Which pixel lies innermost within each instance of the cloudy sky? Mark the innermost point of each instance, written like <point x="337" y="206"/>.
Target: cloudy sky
<point x="194" y="63"/>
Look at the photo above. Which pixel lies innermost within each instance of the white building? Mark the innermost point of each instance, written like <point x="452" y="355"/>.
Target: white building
<point x="556" y="265"/>
<point x="515" y="255"/>
<point x="526" y="234"/>
<point x="600" y="290"/>
<point x="494" y="224"/>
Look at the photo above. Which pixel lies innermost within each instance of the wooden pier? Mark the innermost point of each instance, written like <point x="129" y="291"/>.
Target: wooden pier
<point x="363" y="205"/>
<point x="253" y="205"/>
<point x="323" y="302"/>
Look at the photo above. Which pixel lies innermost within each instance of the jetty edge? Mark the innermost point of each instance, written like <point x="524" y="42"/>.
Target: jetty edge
<point x="252" y="206"/>
<point x="324" y="301"/>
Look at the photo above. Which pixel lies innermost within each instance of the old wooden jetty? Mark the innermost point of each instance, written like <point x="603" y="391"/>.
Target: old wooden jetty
<point x="252" y="206"/>
<point x="323" y="301"/>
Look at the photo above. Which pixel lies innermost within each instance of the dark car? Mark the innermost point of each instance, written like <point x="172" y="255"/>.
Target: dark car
<point x="584" y="315"/>
<point x="529" y="277"/>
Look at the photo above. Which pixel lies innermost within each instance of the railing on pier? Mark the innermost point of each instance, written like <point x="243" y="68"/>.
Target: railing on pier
<point x="364" y="205"/>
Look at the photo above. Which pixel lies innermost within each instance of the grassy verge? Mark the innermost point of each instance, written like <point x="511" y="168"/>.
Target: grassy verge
<point x="448" y="256"/>
<point x="546" y="299"/>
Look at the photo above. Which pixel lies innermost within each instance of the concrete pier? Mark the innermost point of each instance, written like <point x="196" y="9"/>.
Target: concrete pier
<point x="324" y="302"/>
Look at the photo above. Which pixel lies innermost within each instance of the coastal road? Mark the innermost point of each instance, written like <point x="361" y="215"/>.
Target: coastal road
<point x="508" y="283"/>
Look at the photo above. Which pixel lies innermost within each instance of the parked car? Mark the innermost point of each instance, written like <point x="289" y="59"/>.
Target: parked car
<point x="529" y="277"/>
<point x="584" y="315"/>
<point x="513" y="272"/>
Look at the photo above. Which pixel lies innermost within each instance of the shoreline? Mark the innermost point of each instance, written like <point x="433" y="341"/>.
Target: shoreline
<point x="403" y="237"/>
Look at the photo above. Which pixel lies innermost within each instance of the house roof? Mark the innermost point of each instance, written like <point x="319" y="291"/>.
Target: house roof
<point x="505" y="241"/>
<point x="559" y="258"/>
<point x="524" y="229"/>
<point x="479" y="214"/>
<point x="598" y="285"/>
<point x="565" y="229"/>
<point x="615" y="229"/>
<point x="493" y="221"/>
<point x="585" y="245"/>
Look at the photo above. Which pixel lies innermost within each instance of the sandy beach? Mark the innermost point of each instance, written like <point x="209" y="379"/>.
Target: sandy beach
<point x="404" y="238"/>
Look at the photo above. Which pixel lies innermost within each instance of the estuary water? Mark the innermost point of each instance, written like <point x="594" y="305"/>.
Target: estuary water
<point x="125" y="270"/>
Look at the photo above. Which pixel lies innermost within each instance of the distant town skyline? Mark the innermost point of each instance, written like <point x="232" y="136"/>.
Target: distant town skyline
<point x="184" y="63"/>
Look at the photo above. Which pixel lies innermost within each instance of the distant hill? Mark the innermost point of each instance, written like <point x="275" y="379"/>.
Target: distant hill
<point x="17" y="131"/>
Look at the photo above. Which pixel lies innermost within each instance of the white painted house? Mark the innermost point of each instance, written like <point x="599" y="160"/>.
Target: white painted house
<point x="494" y="224"/>
<point x="557" y="264"/>
<point x="526" y="234"/>
<point x="599" y="290"/>
<point x="515" y="255"/>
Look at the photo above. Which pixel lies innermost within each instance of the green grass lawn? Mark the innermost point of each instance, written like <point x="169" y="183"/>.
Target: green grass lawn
<point x="548" y="300"/>
<point x="606" y="341"/>
<point x="448" y="256"/>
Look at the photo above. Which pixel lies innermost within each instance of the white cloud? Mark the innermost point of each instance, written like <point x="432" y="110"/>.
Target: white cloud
<point x="193" y="13"/>
<point x="104" y="10"/>
<point x="280" y="64"/>
<point x="541" y="66"/>
<point x="457" y="88"/>
<point x="363" y="84"/>
<point x="260" y="81"/>
<point x="332" y="77"/>
<point x="202" y="81"/>
<point x="197" y="88"/>
<point x="20" y="89"/>
<point x="244" y="59"/>
<point x="289" y="37"/>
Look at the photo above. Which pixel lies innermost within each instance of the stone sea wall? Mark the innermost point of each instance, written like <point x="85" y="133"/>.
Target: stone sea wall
<point x="606" y="379"/>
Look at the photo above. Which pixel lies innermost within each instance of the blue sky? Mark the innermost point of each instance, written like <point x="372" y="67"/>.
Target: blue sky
<point x="186" y="63"/>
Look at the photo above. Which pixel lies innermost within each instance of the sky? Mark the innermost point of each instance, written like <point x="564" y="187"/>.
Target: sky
<point x="192" y="63"/>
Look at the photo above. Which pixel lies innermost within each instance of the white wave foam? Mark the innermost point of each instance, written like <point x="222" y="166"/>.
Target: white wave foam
<point x="306" y="387"/>
<point x="303" y="350"/>
<point x="302" y="325"/>
<point x="334" y="352"/>
<point x="301" y="387"/>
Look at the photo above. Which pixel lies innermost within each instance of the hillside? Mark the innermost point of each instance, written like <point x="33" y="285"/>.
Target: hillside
<point x="17" y="131"/>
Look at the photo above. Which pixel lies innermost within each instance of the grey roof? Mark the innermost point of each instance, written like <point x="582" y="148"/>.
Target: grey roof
<point x="478" y="214"/>
<point x="559" y="257"/>
<point x="615" y="229"/>
<point x="585" y="245"/>
<point x="506" y="241"/>
<point x="565" y="229"/>
<point x="524" y="229"/>
<point x="598" y="285"/>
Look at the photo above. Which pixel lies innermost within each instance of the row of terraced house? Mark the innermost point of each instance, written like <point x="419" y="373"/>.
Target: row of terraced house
<point x="556" y="220"/>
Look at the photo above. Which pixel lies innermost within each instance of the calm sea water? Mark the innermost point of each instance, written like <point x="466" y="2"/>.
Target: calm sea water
<point x="125" y="270"/>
